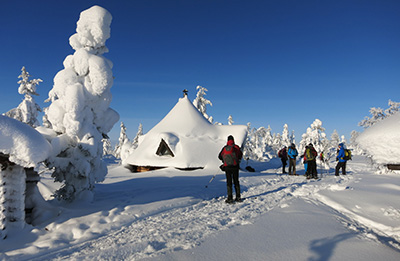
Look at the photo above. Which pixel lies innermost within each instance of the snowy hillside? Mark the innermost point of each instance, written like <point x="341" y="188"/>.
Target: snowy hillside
<point x="171" y="215"/>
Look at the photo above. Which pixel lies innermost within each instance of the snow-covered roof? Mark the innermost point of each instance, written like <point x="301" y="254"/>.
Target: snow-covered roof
<point x="382" y="140"/>
<point x="24" y="145"/>
<point x="193" y="141"/>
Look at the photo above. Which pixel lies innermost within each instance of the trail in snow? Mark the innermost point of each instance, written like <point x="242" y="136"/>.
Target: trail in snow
<point x="185" y="227"/>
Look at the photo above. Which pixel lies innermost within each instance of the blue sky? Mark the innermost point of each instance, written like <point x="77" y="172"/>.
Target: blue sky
<point x="263" y="62"/>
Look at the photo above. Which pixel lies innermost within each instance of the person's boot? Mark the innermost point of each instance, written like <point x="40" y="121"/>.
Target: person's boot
<point x="238" y="198"/>
<point x="230" y="197"/>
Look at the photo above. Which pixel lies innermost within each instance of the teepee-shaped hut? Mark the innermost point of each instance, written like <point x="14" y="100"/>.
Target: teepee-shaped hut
<point x="183" y="139"/>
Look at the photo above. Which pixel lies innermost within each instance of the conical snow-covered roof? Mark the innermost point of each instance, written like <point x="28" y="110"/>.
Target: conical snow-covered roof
<point x="184" y="139"/>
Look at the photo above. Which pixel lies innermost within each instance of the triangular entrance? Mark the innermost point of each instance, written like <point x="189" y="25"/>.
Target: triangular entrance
<point x="164" y="150"/>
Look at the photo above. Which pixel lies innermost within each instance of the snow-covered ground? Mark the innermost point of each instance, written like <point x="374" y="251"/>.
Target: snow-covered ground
<point x="172" y="215"/>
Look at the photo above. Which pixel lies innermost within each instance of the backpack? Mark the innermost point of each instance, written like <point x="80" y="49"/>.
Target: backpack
<point x="309" y="155"/>
<point x="347" y="154"/>
<point x="280" y="153"/>
<point x="229" y="156"/>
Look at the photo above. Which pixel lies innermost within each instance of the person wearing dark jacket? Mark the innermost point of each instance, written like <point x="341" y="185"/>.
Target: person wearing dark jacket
<point x="341" y="161"/>
<point x="283" y="155"/>
<point x="311" y="155"/>
<point x="231" y="155"/>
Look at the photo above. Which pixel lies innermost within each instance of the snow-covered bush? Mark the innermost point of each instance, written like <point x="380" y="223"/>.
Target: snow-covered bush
<point x="27" y="110"/>
<point x="79" y="110"/>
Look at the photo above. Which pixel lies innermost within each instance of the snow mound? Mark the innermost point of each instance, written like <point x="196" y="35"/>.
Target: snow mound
<point x="382" y="140"/>
<point x="24" y="145"/>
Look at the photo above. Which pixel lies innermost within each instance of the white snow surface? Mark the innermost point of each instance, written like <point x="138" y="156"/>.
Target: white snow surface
<point x="194" y="141"/>
<point x="382" y="140"/>
<point x="24" y="145"/>
<point x="171" y="215"/>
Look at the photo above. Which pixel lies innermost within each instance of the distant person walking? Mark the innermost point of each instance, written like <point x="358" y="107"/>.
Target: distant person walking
<point x="231" y="155"/>
<point x="284" y="157"/>
<point x="292" y="153"/>
<point x="341" y="160"/>
<point x="311" y="155"/>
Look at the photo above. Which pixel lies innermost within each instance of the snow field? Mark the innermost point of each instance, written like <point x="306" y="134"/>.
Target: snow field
<point x="169" y="213"/>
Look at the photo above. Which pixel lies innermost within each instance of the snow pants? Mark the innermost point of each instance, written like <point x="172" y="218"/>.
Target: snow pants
<point x="283" y="165"/>
<point x="312" y="169"/>
<point x="340" y="165"/>
<point x="232" y="174"/>
<point x="292" y="166"/>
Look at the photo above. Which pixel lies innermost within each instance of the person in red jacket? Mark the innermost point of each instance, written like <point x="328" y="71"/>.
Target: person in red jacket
<point x="231" y="155"/>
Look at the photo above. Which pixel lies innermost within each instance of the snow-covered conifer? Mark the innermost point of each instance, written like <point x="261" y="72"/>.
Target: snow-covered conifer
<point x="27" y="110"/>
<point x="79" y="111"/>
<point x="285" y="136"/>
<point x="249" y="147"/>
<point x="292" y="138"/>
<point x="200" y="102"/>
<point x="335" y="139"/>
<point x="107" y="150"/>
<point x="230" y="120"/>
<point x="139" y="133"/>
<point x="122" y="140"/>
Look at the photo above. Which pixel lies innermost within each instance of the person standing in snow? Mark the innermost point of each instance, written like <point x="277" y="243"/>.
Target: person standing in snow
<point x="231" y="155"/>
<point x="341" y="161"/>
<point x="292" y="153"/>
<point x="283" y="155"/>
<point x="311" y="155"/>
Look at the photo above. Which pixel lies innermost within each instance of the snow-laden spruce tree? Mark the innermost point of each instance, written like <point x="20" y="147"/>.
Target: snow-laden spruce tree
<point x="135" y="142"/>
<point x="27" y="110"/>
<point x="249" y="146"/>
<point x="124" y="146"/>
<point x="107" y="149"/>
<point x="230" y="120"/>
<point x="123" y="139"/>
<point x="285" y="136"/>
<point x="200" y="102"/>
<point x="79" y="112"/>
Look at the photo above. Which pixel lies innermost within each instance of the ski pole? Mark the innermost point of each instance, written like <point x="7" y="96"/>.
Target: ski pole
<point x="211" y="180"/>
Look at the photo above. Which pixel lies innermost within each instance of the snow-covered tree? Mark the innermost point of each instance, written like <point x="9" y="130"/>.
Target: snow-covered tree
<point x="378" y="114"/>
<point x="393" y="108"/>
<point x="249" y="146"/>
<point x="200" y="102"/>
<point x="139" y="133"/>
<point x="107" y="150"/>
<point x="79" y="111"/>
<point x="230" y="120"/>
<point x="123" y="139"/>
<point x="292" y="138"/>
<point x="316" y="135"/>
<point x="27" y="110"/>
<point x="335" y="139"/>
<point x="285" y="136"/>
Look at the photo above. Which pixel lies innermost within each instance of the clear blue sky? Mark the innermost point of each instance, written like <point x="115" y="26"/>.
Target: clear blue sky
<point x="265" y="62"/>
